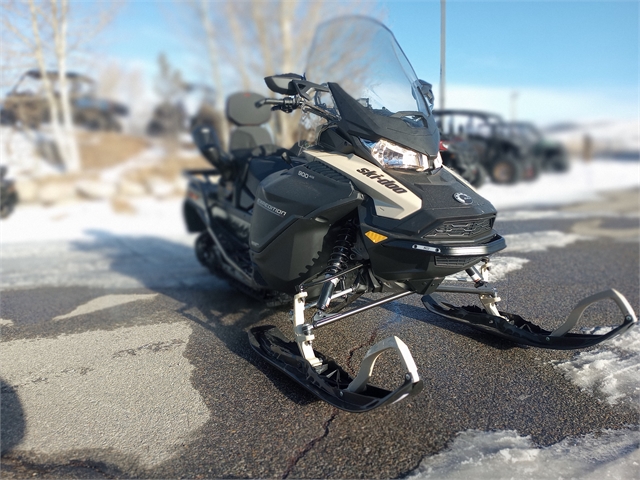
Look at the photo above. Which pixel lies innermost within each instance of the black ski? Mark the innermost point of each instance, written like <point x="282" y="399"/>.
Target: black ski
<point x="515" y="328"/>
<point x="330" y="385"/>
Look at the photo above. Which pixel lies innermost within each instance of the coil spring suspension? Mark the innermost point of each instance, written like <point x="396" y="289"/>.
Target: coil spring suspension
<point x="337" y="262"/>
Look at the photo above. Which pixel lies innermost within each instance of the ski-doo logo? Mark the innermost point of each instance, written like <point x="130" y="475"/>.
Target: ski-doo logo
<point x="463" y="198"/>
<point x="271" y="208"/>
<point x="372" y="174"/>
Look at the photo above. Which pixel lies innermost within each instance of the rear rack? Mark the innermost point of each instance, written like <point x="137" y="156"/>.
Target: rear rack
<point x="199" y="174"/>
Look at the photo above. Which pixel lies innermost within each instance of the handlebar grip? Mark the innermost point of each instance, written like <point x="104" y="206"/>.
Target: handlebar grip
<point x="268" y="101"/>
<point x="286" y="104"/>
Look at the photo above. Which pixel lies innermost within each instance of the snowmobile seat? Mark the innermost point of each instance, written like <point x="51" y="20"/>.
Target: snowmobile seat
<point x="250" y="144"/>
<point x="207" y="141"/>
<point x="248" y="120"/>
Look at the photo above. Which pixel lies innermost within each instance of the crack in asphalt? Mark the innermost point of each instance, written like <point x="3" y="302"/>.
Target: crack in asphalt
<point x="309" y="445"/>
<point x="369" y="342"/>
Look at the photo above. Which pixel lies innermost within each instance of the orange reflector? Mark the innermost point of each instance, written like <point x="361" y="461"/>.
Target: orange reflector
<point x="375" y="237"/>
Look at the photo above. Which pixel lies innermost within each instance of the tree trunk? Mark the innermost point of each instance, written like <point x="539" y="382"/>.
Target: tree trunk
<point x="72" y="157"/>
<point x="215" y="64"/>
<point x="62" y="136"/>
<point x="287" y="127"/>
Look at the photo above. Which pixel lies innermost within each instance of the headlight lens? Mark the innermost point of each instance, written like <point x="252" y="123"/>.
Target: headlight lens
<point x="390" y="155"/>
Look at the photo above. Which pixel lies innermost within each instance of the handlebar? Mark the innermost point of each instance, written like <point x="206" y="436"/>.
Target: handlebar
<point x="289" y="104"/>
<point x="286" y="104"/>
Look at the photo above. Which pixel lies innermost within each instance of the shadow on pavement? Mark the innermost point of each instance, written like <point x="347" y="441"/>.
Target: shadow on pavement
<point x="423" y="315"/>
<point x="171" y="268"/>
<point x="12" y="423"/>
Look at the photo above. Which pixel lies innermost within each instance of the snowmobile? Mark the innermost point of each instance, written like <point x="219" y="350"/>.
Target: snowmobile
<point x="367" y="207"/>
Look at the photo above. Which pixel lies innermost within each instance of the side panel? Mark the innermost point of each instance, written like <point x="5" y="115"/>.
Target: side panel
<point x="293" y="216"/>
<point x="295" y="256"/>
<point x="390" y="198"/>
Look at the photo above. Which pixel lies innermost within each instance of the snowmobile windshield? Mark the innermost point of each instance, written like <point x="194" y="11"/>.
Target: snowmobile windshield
<point x="364" y="58"/>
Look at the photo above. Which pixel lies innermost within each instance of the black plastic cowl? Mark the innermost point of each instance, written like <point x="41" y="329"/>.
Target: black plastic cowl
<point x="359" y="121"/>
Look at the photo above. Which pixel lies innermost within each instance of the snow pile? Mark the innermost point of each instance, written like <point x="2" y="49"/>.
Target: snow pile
<point x="612" y="372"/>
<point x="582" y="182"/>
<point x="540" y="241"/>
<point x="17" y="151"/>
<point x="506" y="455"/>
<point x="77" y="221"/>
<point x="500" y="267"/>
<point x="613" y="137"/>
<point x="117" y="167"/>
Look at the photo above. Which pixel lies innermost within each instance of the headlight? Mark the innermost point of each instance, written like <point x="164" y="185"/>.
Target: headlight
<point x="390" y="155"/>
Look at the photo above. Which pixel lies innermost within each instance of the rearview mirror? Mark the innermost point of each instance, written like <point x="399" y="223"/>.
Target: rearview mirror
<point x="426" y="90"/>
<point x="283" y="84"/>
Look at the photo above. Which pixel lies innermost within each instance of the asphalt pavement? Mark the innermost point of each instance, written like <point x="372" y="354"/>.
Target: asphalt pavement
<point x="122" y="357"/>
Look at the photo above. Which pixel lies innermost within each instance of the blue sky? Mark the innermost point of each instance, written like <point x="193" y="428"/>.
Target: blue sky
<point x="582" y="53"/>
<point x="519" y="43"/>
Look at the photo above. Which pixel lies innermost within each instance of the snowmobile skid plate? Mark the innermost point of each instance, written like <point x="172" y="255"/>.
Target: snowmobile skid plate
<point x="515" y="328"/>
<point x="333" y="384"/>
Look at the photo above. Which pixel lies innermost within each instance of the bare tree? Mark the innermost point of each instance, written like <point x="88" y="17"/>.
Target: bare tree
<point x="40" y="31"/>
<point x="212" y="49"/>
<point x="169" y="115"/>
<point x="257" y="38"/>
<point x="169" y="84"/>
<point x="12" y="59"/>
<point x="124" y="83"/>
<point x="110" y="78"/>
<point x="59" y="21"/>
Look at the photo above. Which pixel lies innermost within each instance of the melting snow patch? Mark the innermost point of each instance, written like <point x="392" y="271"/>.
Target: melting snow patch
<point x="104" y="262"/>
<point x="612" y="372"/>
<point x="521" y="215"/>
<point x="85" y="220"/>
<point x="500" y="267"/>
<point x="506" y="455"/>
<point x="540" y="241"/>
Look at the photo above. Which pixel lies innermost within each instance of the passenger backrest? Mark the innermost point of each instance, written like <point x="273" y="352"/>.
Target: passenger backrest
<point x="242" y="112"/>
